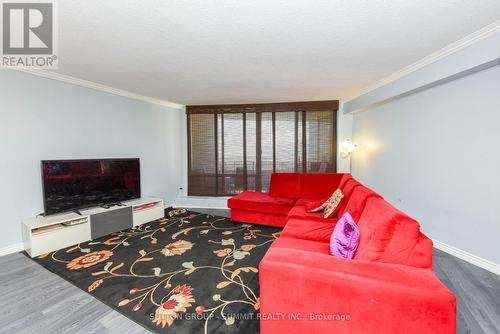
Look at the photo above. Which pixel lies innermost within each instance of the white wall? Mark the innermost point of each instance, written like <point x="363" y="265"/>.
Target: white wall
<point x="46" y="119"/>
<point x="435" y="155"/>
<point x="344" y="131"/>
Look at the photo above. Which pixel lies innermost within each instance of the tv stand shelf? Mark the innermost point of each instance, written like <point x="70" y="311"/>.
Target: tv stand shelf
<point x="46" y="234"/>
<point x="146" y="209"/>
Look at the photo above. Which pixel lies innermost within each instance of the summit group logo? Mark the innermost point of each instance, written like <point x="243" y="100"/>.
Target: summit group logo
<point x="29" y="35"/>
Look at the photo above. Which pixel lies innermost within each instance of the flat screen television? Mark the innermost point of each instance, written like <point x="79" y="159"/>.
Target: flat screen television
<point x="70" y="185"/>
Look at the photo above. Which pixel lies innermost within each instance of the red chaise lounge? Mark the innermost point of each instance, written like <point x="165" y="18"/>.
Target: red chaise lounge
<point x="389" y="285"/>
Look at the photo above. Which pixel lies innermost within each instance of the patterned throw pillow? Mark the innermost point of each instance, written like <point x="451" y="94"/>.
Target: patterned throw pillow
<point x="332" y="205"/>
<point x="317" y="206"/>
<point x="345" y="237"/>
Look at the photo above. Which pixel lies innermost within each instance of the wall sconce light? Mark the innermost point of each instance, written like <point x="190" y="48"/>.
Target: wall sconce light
<point x="346" y="148"/>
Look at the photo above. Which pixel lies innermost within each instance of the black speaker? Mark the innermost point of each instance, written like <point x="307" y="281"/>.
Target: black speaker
<point x="115" y="220"/>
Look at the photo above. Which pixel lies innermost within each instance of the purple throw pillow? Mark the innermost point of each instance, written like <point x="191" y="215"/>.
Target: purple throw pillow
<point x="345" y="237"/>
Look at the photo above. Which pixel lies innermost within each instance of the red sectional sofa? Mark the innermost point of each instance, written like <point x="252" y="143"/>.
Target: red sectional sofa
<point x="389" y="285"/>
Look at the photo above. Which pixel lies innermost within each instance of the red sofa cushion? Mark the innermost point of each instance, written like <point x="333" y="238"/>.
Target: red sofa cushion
<point x="344" y="179"/>
<point x="303" y="245"/>
<point x="387" y="234"/>
<point x="357" y="202"/>
<point x="308" y="230"/>
<point x="305" y="201"/>
<point x="319" y="185"/>
<point x="421" y="255"/>
<point x="261" y="202"/>
<point x="299" y="212"/>
<point x="347" y="190"/>
<point x="285" y="185"/>
<point x="255" y="217"/>
<point x="316" y="205"/>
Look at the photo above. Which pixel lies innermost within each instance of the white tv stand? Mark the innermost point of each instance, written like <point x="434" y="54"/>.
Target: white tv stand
<point x="47" y="234"/>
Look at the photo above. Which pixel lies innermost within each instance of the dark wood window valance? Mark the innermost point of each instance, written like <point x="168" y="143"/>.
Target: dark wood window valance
<point x="332" y="105"/>
<point x="232" y="148"/>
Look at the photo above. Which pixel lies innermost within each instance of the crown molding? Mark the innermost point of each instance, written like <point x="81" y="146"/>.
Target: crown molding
<point x="468" y="40"/>
<point x="100" y="87"/>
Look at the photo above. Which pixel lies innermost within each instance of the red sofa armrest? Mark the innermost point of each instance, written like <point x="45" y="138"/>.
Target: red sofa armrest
<point x="302" y="292"/>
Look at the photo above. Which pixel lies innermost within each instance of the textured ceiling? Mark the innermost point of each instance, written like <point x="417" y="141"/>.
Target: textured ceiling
<point x="235" y="51"/>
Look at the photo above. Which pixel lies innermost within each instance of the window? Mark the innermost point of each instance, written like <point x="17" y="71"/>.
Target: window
<point x="232" y="148"/>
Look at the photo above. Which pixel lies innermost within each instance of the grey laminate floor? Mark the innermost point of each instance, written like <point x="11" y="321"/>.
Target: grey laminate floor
<point x="477" y="291"/>
<point x="37" y="301"/>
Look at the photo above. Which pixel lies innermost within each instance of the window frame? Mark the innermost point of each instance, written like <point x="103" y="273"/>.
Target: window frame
<point x="300" y="109"/>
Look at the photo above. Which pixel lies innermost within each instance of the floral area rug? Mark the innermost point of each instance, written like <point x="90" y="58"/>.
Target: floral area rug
<point x="185" y="273"/>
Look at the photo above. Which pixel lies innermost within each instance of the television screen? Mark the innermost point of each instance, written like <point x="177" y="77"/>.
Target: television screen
<point x="75" y="184"/>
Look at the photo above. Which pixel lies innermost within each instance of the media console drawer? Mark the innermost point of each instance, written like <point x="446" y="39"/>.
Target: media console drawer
<point x="57" y="239"/>
<point x="108" y="222"/>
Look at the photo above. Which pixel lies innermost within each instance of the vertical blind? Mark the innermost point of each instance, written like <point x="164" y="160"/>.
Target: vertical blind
<point x="233" y="148"/>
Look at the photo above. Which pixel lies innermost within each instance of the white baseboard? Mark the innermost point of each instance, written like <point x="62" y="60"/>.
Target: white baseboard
<point x="471" y="258"/>
<point x="201" y="202"/>
<point x="204" y="207"/>
<point x="177" y="206"/>
<point x="15" y="248"/>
